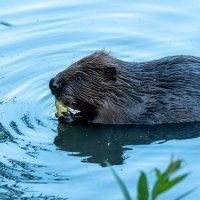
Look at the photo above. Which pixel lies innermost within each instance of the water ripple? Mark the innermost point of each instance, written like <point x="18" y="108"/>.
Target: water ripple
<point x="41" y="158"/>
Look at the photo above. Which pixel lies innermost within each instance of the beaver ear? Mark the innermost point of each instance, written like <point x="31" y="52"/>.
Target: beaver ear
<point x="111" y="73"/>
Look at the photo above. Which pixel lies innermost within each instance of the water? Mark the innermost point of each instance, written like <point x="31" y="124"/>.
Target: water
<point x="41" y="158"/>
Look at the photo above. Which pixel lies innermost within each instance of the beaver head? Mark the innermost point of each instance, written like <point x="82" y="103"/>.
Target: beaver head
<point x="91" y="86"/>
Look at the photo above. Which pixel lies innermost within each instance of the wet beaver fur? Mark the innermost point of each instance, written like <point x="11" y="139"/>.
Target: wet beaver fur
<point x="108" y="90"/>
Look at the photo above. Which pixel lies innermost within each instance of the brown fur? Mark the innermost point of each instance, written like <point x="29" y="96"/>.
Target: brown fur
<point x="109" y="90"/>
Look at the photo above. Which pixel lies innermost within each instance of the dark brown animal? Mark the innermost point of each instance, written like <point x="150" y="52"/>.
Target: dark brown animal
<point x="111" y="91"/>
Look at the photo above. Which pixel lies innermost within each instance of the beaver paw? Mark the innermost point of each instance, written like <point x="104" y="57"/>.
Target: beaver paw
<point x="67" y="117"/>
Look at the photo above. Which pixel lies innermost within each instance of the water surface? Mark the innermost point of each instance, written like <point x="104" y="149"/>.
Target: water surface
<point x="40" y="157"/>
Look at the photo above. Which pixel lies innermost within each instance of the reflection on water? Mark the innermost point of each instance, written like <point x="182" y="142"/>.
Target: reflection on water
<point x="108" y="142"/>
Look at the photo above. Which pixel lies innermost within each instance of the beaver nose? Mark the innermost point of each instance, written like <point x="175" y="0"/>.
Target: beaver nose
<point x="53" y="85"/>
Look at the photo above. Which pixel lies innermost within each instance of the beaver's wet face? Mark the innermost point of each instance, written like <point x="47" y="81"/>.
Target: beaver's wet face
<point x="83" y="85"/>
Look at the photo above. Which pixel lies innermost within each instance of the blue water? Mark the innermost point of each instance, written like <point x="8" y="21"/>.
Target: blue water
<point x="40" y="157"/>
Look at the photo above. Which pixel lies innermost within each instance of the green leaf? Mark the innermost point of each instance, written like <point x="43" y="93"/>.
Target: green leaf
<point x="158" y="173"/>
<point x="172" y="183"/>
<point x="173" y="167"/>
<point x="185" y="194"/>
<point x="157" y="185"/>
<point x="163" y="182"/>
<point x="164" y="186"/>
<point x="120" y="183"/>
<point x="155" y="190"/>
<point x="143" y="193"/>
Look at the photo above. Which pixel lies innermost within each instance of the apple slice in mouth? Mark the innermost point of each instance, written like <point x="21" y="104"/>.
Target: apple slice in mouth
<point x="60" y="108"/>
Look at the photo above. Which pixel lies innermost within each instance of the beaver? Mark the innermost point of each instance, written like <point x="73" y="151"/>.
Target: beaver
<point x="108" y="90"/>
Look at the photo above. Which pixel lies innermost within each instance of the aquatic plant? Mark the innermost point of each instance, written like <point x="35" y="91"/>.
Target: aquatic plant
<point x="163" y="182"/>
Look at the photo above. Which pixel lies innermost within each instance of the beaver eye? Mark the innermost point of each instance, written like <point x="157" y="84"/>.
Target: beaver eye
<point x="79" y="76"/>
<point x="61" y="84"/>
